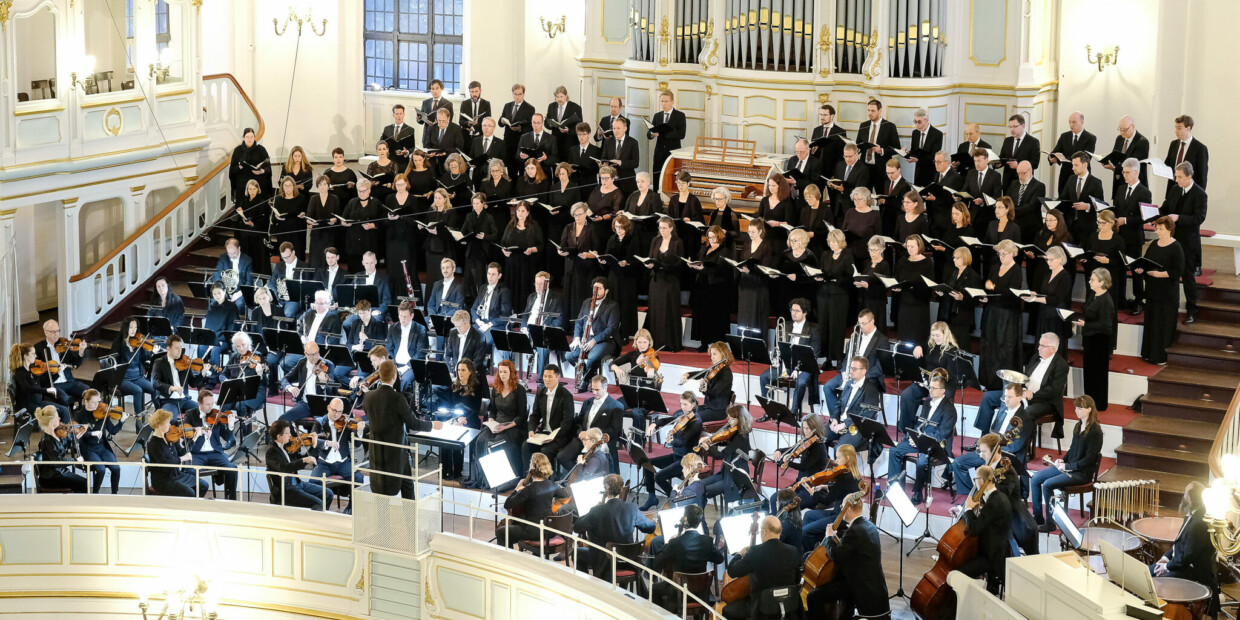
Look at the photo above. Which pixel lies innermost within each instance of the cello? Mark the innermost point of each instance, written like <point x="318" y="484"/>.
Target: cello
<point x="738" y="588"/>
<point x="819" y="567"/>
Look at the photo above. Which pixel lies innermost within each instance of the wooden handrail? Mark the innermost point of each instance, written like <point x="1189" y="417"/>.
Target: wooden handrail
<point x="1229" y="418"/>
<point x="262" y="129"/>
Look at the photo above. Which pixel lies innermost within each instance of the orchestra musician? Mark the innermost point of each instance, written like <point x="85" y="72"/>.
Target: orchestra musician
<point x="802" y="332"/>
<point x="294" y="490"/>
<point x="319" y="325"/>
<point x="243" y="348"/>
<point x="369" y="276"/>
<point x="716" y="388"/>
<point x="601" y="412"/>
<point x="938" y="422"/>
<point x="377" y="355"/>
<point x="361" y="335"/>
<point x="684" y="432"/>
<point x="690" y="551"/>
<point x="940" y="354"/>
<point x="406" y="341"/>
<point x="1048" y="377"/>
<point x="447" y="293"/>
<point x="330" y="273"/>
<point x="310" y="376"/>
<point x="474" y="109"/>
<point x="811" y="461"/>
<point x="128" y="349"/>
<point x="770" y="564"/>
<point x="533" y="499"/>
<point x="612" y="520"/>
<point x="860" y="585"/>
<point x="287" y="269"/>
<point x="464" y="343"/>
<point x="221" y="319"/>
<point x="95" y="444"/>
<point x="67" y="387"/>
<point x="552" y="412"/>
<point x="858" y="397"/>
<point x="335" y="446"/>
<point x="171" y="481"/>
<point x="166" y="303"/>
<point x="233" y="259"/>
<point x="1192" y="556"/>
<point x="546" y="308"/>
<point x="595" y="334"/>
<point x="641" y="363"/>
<point x="1014" y="409"/>
<point x="492" y="306"/>
<point x="988" y="519"/>
<point x="827" y="500"/>
<point x="32" y="392"/>
<point x="732" y="451"/>
<point x="54" y="447"/>
<point x="866" y="341"/>
<point x="1077" y="467"/>
<point x="211" y="439"/>
<point x="390" y="420"/>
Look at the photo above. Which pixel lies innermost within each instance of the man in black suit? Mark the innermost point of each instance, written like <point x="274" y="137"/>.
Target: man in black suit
<point x="399" y="132"/>
<point x="305" y="378"/>
<point x="884" y="137"/>
<point x="562" y="117"/>
<point x="209" y="443"/>
<point x="369" y="276"/>
<point x="287" y="268"/>
<point x="830" y="154"/>
<point x="852" y="174"/>
<point x="611" y="521"/>
<point x="390" y="420"/>
<point x="982" y="180"/>
<point x="443" y="136"/>
<point x="858" y="397"/>
<point x="552" y="412"/>
<point x="622" y="152"/>
<point x="1186" y="148"/>
<point x="581" y="156"/>
<point x="1080" y="193"/>
<point x="769" y="564"/>
<point x="800" y="332"/>
<point x="1018" y="147"/>
<point x="1126" y="203"/>
<point x="972" y="141"/>
<point x="475" y="108"/>
<point x="600" y="411"/>
<point x="543" y="307"/>
<point x="925" y="142"/>
<point x="1186" y="205"/>
<point x="172" y="385"/>
<point x="1043" y="395"/>
<point x="331" y="273"/>
<point x="689" y="552"/>
<point x="294" y="491"/>
<point x="430" y="110"/>
<point x="486" y="148"/>
<point x="68" y="389"/>
<point x="515" y="119"/>
<point x="937" y="420"/>
<point x="604" y="124"/>
<point x="1132" y="144"/>
<point x="406" y="341"/>
<point x="667" y="130"/>
<point x="1070" y="142"/>
<point x="889" y="193"/>
<point x="939" y="200"/>
<point x="990" y="521"/>
<point x="1192" y="556"/>
<point x="464" y="342"/>
<point x="1027" y="193"/>
<point x="870" y="340"/>
<point x="492" y="306"/>
<point x="540" y="140"/>
<point x="806" y="167"/>
<point x="863" y="586"/>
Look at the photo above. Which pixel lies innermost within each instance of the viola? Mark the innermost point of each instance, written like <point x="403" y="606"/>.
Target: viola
<point x="304" y="440"/>
<point x="185" y="363"/>
<point x="649" y="359"/>
<point x="796" y="452"/>
<point x="104" y="411"/>
<point x="138" y="340"/>
<point x="724" y="434"/>
<point x="40" y="367"/>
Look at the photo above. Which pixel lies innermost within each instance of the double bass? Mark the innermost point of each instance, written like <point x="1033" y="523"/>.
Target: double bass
<point x="738" y="588"/>
<point x="819" y="567"/>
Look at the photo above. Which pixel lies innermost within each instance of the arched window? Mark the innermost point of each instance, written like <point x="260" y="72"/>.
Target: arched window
<point x="408" y="43"/>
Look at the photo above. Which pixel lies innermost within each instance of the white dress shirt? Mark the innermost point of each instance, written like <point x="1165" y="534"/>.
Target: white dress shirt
<point x="1039" y="373"/>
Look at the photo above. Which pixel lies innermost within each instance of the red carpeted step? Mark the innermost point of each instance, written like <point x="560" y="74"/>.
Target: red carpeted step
<point x="1124" y="364"/>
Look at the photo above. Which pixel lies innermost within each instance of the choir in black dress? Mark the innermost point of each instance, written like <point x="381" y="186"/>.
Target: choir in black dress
<point x="1001" y="336"/>
<point x="957" y="308"/>
<point x="623" y="272"/>
<point x="288" y="211"/>
<point x="1162" y="292"/>
<point x="1098" y="337"/>
<point x="753" y="297"/>
<point x="523" y="241"/>
<point x="321" y="214"/>
<point x="834" y="293"/>
<point x="913" y="309"/>
<point x="663" y="315"/>
<point x="577" y="246"/>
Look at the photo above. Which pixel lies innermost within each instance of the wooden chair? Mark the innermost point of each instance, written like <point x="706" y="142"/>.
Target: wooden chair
<point x="1037" y="437"/>
<point x="698" y="584"/>
<point x="555" y="543"/>
<point x="42" y="88"/>
<point x="1079" y="491"/>
<point x="39" y="487"/>
<point x="627" y="574"/>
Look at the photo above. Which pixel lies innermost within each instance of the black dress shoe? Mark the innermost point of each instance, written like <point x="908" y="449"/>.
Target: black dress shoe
<point x="765" y="418"/>
<point x="1197" y="272"/>
<point x="1047" y="528"/>
<point x="1191" y="318"/>
<point x="1137" y="309"/>
<point x="918" y="499"/>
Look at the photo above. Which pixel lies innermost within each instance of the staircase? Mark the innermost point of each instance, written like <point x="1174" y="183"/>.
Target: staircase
<point x="191" y="266"/>
<point x="1187" y="402"/>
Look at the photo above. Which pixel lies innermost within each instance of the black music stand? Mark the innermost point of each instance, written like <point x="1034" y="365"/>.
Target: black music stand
<point x="337" y="354"/>
<point x="318" y="404"/>
<point x="750" y="350"/>
<point x="158" y="326"/>
<point x="440" y="324"/>
<point x="247" y="293"/>
<point x="513" y="343"/>
<point x="798" y="358"/>
<point x="641" y="461"/>
<point x="553" y="339"/>
<point x="201" y="290"/>
<point x="347" y="295"/>
<point x="781" y="414"/>
<point x="934" y="452"/>
<point x="246" y="449"/>
<point x="300" y="290"/>
<point x="901" y="366"/>
<point x="109" y="379"/>
<point x="238" y="390"/>
<point x="284" y="341"/>
<point x="962" y="374"/>
<point x="873" y="432"/>
<point x="197" y="336"/>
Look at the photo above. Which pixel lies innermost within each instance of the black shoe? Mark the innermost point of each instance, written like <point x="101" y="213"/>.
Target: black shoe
<point x="1191" y="318"/>
<point x="1047" y="528"/>
<point x="1038" y="519"/>
<point x="918" y="499"/>
<point x="650" y="504"/>
<point x="1137" y="309"/>
<point x="765" y="418"/>
<point x="1197" y="272"/>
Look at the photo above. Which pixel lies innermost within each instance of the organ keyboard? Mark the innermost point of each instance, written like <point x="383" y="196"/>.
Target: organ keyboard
<point x="722" y="162"/>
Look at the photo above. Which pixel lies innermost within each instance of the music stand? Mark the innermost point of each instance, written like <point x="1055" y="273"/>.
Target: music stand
<point x="440" y="324"/>
<point x="200" y="290"/>
<point x="347" y="295"/>
<point x="513" y="343"/>
<point x="873" y="432"/>
<point x="158" y="326"/>
<point x="798" y="358"/>
<point x="197" y="336"/>
<point x="907" y="512"/>
<point x="553" y="339"/>
<point x="779" y="412"/>
<point x="641" y="461"/>
<point x="497" y="471"/>
<point x="107" y="380"/>
<point x="962" y="374"/>
<point x="284" y="341"/>
<point x="300" y="290"/>
<point x="318" y="403"/>
<point x="247" y="293"/>
<point x="238" y="390"/>
<point x="246" y="449"/>
<point x="903" y="367"/>
<point x="750" y="350"/>
<point x="934" y="452"/>
<point x="337" y="354"/>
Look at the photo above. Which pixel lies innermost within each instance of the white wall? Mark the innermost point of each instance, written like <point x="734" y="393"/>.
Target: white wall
<point x="36" y="37"/>
<point x="1172" y="55"/>
<point x="105" y="26"/>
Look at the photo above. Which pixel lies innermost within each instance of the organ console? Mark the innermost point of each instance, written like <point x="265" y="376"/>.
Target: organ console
<point x="722" y="162"/>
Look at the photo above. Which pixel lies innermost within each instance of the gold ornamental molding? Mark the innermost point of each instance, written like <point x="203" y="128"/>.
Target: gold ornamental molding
<point x="6" y="11"/>
<point x="824" y="51"/>
<point x="664" y="40"/>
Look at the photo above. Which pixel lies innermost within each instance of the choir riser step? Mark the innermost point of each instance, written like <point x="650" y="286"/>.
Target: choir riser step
<point x="1167" y="442"/>
<point x="1157" y="463"/>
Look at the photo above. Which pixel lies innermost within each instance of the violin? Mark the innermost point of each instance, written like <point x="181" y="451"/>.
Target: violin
<point x="823" y="477"/>
<point x="138" y="340"/>
<point x="681" y="423"/>
<point x="104" y="411"/>
<point x="345" y="422"/>
<point x="63" y="430"/>
<point x="177" y="433"/>
<point x="786" y="460"/>
<point x="64" y="345"/>
<point x="724" y="434"/>
<point x="40" y="367"/>
<point x="214" y="416"/>
<point x="304" y="440"/>
<point x="714" y="369"/>
<point x="369" y="382"/>
<point x="185" y="363"/>
<point x="649" y="360"/>
<point x="251" y="360"/>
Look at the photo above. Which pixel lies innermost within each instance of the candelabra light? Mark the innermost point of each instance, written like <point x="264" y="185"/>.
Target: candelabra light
<point x="1222" y="509"/>
<point x="293" y="17"/>
<point x="192" y="601"/>
<point x="1102" y="59"/>
<point x="87" y="69"/>
<point x="552" y="28"/>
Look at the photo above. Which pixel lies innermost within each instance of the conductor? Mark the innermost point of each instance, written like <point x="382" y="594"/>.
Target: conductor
<point x="390" y="419"/>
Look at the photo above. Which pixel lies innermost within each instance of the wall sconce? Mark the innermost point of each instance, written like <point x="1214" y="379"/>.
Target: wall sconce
<point x="1105" y="58"/>
<point x="88" y="72"/>
<point x="159" y="72"/>
<point x="551" y="27"/>
<point x="293" y="17"/>
<point x="179" y="604"/>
